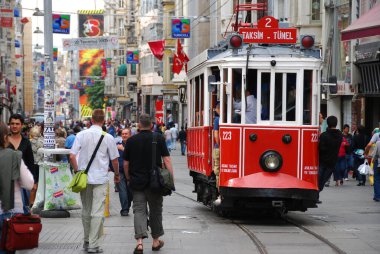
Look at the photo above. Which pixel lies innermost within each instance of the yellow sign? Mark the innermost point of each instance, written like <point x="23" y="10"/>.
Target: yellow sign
<point x="85" y="111"/>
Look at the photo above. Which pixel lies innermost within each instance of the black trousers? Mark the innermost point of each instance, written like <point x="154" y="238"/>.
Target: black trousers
<point x="324" y="174"/>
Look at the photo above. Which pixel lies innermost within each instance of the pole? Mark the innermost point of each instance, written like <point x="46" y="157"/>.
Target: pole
<point x="49" y="104"/>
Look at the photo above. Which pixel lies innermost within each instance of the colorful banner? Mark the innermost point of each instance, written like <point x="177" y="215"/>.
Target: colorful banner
<point x="61" y="24"/>
<point x="88" y="59"/>
<point x="133" y="57"/>
<point x="110" y="42"/>
<point x="180" y="28"/>
<point x="86" y="111"/>
<point x="90" y="25"/>
<point x="55" y="54"/>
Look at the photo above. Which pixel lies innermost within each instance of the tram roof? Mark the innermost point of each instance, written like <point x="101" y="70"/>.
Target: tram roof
<point x="278" y="51"/>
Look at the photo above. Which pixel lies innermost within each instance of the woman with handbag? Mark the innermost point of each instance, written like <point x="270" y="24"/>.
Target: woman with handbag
<point x="14" y="176"/>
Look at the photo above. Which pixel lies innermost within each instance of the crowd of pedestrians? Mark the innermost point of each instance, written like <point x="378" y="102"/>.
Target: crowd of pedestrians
<point x="342" y="153"/>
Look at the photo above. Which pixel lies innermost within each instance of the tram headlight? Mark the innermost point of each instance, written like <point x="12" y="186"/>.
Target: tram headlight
<point x="271" y="161"/>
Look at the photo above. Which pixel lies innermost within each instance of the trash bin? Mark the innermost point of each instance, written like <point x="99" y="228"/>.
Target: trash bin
<point x="53" y="198"/>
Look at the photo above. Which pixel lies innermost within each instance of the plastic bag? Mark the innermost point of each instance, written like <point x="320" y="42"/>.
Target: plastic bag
<point x="364" y="168"/>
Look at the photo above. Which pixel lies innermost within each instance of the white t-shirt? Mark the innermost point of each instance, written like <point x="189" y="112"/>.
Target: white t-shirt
<point x="85" y="143"/>
<point x="375" y="138"/>
<point x="250" y="111"/>
<point x="168" y="135"/>
<point x="174" y="132"/>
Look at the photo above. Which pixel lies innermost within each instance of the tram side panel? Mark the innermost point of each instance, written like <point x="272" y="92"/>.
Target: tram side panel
<point x="310" y="156"/>
<point x="199" y="150"/>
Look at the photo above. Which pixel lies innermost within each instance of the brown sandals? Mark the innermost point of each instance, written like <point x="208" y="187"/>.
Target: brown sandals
<point x="137" y="250"/>
<point x="160" y="245"/>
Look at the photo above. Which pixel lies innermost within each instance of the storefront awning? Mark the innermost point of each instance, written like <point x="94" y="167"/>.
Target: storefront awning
<point x="365" y="26"/>
<point x="122" y="70"/>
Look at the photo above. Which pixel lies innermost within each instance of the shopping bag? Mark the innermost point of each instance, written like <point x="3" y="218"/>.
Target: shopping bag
<point x="364" y="168"/>
<point x="79" y="182"/>
<point x="20" y="232"/>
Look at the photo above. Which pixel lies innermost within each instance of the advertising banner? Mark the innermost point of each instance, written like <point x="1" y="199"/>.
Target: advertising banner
<point x="88" y="59"/>
<point x="133" y="57"/>
<point x="110" y="42"/>
<point x="180" y="28"/>
<point x="61" y="24"/>
<point x="159" y="111"/>
<point x="55" y="54"/>
<point x="90" y="24"/>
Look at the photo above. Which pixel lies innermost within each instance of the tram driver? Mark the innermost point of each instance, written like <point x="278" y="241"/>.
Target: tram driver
<point x="251" y="108"/>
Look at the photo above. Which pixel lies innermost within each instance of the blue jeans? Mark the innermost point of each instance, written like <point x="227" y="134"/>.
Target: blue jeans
<point x="349" y="164"/>
<point x="340" y="169"/>
<point x="183" y="147"/>
<point x="169" y="144"/>
<point x="2" y="217"/>
<point x="376" y="176"/>
<point x="123" y="193"/>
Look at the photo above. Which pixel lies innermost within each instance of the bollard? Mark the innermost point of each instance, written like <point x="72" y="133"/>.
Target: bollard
<point x="107" y="205"/>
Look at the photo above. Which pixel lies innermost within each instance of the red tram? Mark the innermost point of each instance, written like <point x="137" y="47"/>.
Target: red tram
<point x="268" y="154"/>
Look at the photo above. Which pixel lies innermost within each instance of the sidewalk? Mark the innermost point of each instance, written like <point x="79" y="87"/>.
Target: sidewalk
<point x="348" y="217"/>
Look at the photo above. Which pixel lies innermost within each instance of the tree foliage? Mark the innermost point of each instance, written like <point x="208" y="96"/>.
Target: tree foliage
<point x="96" y="92"/>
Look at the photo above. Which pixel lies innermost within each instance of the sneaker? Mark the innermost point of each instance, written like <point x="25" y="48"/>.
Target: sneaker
<point x="217" y="201"/>
<point x="124" y="213"/>
<point x="346" y="179"/>
<point x="376" y="199"/>
<point x="95" y="250"/>
<point x="327" y="185"/>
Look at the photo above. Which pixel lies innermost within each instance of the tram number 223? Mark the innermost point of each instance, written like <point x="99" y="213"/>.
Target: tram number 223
<point x="226" y="135"/>
<point x="314" y="137"/>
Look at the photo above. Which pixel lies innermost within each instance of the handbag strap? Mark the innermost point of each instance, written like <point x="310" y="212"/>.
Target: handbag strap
<point x="94" y="153"/>
<point x="154" y="144"/>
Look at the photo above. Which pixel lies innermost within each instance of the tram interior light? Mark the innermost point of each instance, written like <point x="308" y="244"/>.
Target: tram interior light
<point x="235" y="41"/>
<point x="307" y="41"/>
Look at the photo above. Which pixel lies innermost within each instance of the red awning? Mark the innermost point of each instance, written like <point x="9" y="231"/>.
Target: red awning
<point x="365" y="26"/>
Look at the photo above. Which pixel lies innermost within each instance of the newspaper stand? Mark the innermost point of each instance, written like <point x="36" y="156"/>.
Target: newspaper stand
<point x="53" y="199"/>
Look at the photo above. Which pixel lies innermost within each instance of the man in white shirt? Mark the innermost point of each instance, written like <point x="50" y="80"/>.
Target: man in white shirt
<point x="250" y="111"/>
<point x="93" y="197"/>
<point x="174" y="132"/>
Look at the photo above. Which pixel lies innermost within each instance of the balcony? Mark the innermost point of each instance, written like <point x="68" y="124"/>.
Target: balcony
<point x="132" y="40"/>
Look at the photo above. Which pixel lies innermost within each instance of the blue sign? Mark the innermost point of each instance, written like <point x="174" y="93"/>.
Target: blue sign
<point x="133" y="57"/>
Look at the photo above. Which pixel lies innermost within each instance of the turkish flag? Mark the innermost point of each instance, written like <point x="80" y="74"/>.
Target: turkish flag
<point x="182" y="55"/>
<point x="104" y="67"/>
<point x="14" y="90"/>
<point x="177" y="64"/>
<point x="157" y="48"/>
<point x="24" y="20"/>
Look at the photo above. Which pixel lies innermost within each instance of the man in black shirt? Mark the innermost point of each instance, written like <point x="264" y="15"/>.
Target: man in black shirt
<point x="21" y="143"/>
<point x="137" y="168"/>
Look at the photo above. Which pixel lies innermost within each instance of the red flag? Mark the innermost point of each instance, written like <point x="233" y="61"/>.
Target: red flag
<point x="24" y="20"/>
<point x="19" y="56"/>
<point x="14" y="90"/>
<point x="104" y="67"/>
<point x="177" y="64"/>
<point x="157" y="48"/>
<point x="182" y="55"/>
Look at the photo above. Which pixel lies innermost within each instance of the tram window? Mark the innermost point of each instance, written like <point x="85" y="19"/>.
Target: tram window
<point x="196" y="101"/>
<point x="236" y="95"/>
<point x="278" y="97"/>
<point x="291" y="92"/>
<point x="201" y="109"/>
<point x="265" y="95"/>
<point x="225" y="79"/>
<point x="307" y="96"/>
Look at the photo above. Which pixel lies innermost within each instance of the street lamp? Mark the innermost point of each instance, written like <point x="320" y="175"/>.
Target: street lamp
<point x="38" y="31"/>
<point x="38" y="12"/>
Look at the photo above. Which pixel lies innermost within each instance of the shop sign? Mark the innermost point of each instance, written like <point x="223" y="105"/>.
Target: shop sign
<point x="180" y="28"/>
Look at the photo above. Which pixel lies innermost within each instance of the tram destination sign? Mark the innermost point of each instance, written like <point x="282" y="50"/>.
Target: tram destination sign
<point x="267" y="31"/>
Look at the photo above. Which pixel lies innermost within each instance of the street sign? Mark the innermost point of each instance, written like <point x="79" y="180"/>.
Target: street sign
<point x="267" y="31"/>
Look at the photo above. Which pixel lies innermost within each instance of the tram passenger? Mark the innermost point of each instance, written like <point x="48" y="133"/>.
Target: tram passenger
<point x="329" y="144"/>
<point x="215" y="151"/>
<point x="250" y="111"/>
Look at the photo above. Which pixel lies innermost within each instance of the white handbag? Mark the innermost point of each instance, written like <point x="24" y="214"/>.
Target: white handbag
<point x="364" y="168"/>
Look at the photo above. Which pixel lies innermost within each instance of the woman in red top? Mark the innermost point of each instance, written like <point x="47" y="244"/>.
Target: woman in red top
<point x="341" y="164"/>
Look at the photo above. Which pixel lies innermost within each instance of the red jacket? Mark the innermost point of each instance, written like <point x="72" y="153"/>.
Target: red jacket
<point x="342" y="149"/>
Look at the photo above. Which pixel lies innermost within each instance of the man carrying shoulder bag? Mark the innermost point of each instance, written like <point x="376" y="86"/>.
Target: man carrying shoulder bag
<point x="94" y="195"/>
<point x="138" y="163"/>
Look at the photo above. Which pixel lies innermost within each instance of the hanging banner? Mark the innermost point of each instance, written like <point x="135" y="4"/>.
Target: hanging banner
<point x="133" y="57"/>
<point x="90" y="23"/>
<point x="89" y="59"/>
<point x="55" y="54"/>
<point x="180" y="28"/>
<point x="61" y="24"/>
<point x="159" y="111"/>
<point x="6" y="18"/>
<point x="110" y="42"/>
<point x="157" y="48"/>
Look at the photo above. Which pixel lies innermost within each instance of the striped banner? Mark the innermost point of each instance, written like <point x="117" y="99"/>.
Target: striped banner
<point x="91" y="12"/>
<point x="85" y="111"/>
